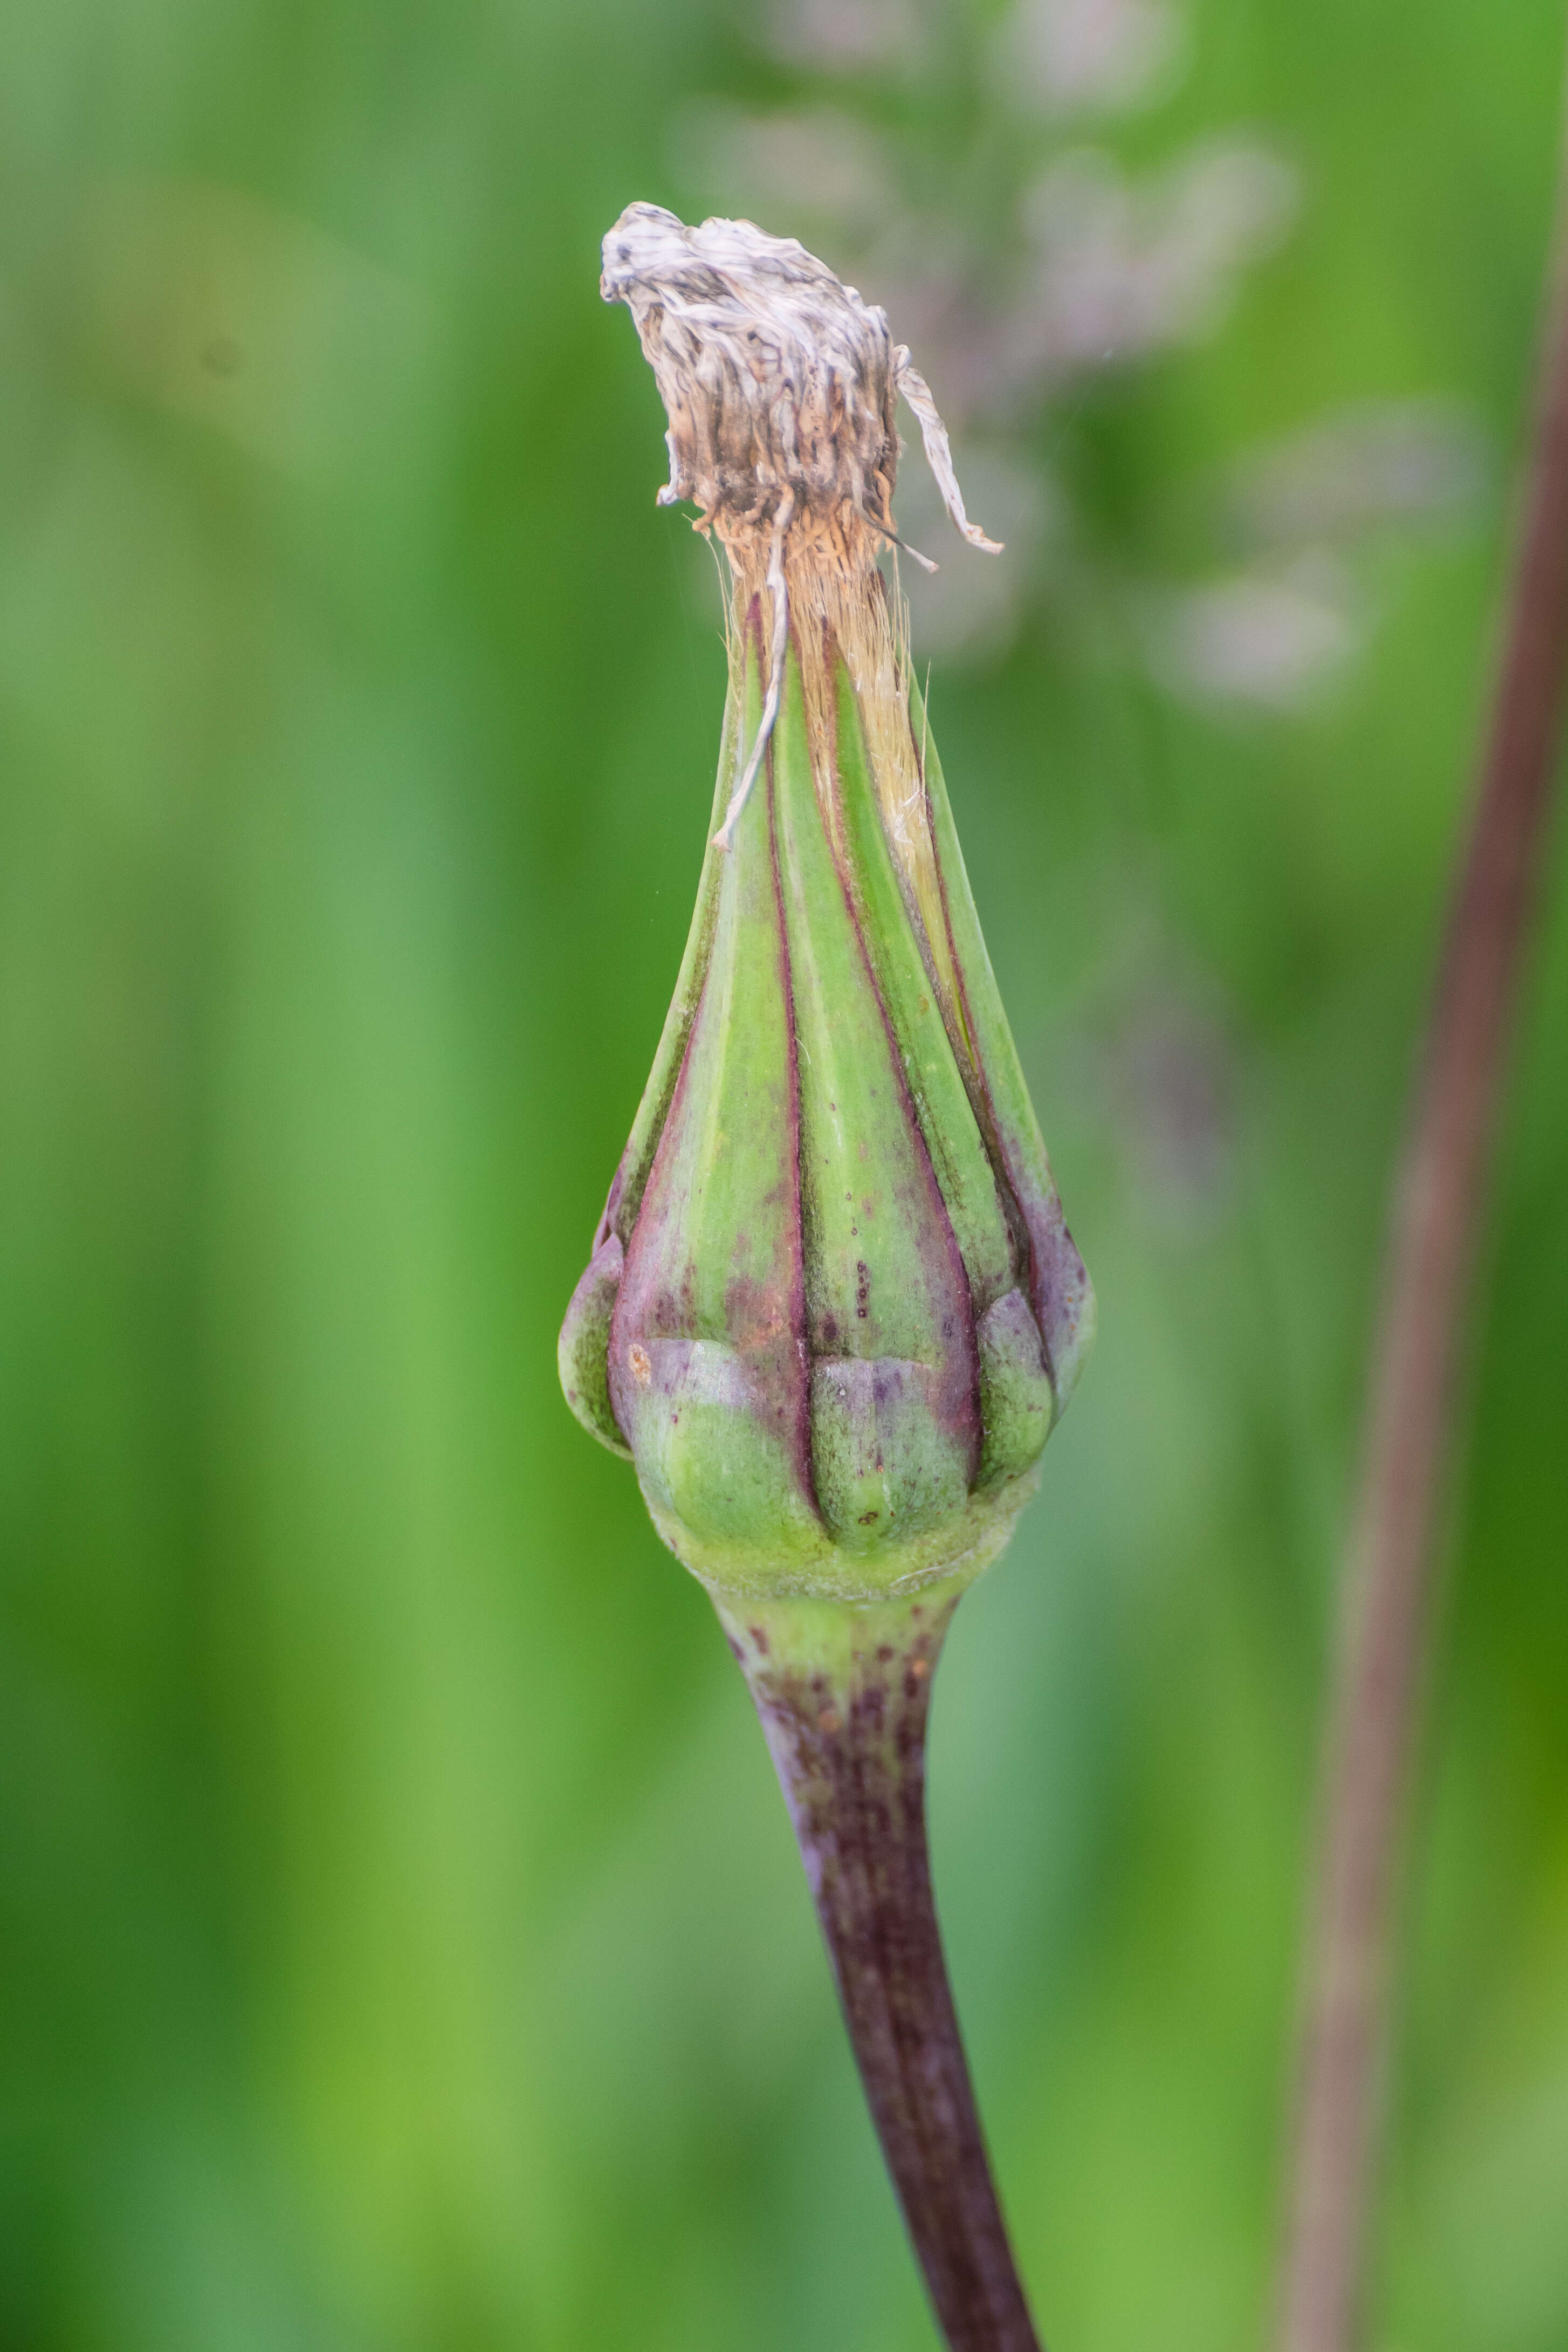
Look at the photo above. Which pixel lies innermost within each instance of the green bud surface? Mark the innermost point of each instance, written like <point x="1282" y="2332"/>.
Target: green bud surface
<point x="832" y="1312"/>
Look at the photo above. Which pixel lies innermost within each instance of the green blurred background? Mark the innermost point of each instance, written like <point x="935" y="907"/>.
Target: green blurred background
<point x="404" y="1946"/>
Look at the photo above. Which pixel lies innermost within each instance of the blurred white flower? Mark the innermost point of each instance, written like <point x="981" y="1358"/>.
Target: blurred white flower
<point x="1272" y="640"/>
<point x="1068" y="56"/>
<point x="1380" y="464"/>
<point x="1124" y="269"/>
<point x="842" y="35"/>
<point x="816" y="164"/>
<point x="1274" y="632"/>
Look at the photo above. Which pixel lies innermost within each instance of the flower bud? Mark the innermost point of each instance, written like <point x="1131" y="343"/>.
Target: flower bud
<point x="832" y="1311"/>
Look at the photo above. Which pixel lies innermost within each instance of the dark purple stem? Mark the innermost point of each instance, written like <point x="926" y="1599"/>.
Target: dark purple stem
<point x="850" y="1747"/>
<point x="1438" y="1206"/>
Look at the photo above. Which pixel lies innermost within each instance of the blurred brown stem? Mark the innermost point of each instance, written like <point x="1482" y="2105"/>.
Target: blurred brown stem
<point x="1437" y="1211"/>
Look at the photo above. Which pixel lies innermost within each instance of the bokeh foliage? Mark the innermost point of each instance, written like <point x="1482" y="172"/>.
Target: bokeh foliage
<point x="404" y="1947"/>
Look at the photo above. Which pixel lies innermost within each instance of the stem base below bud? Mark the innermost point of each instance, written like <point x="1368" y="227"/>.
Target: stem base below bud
<point x="844" y="1695"/>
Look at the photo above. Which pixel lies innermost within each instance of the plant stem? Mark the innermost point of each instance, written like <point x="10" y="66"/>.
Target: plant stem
<point x="1437" y="1212"/>
<point x="845" y="1716"/>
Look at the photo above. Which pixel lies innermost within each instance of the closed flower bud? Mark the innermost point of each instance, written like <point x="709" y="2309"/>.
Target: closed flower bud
<point x="832" y="1312"/>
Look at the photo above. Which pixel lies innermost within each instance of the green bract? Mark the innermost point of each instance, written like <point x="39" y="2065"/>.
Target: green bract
<point x="832" y="1312"/>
